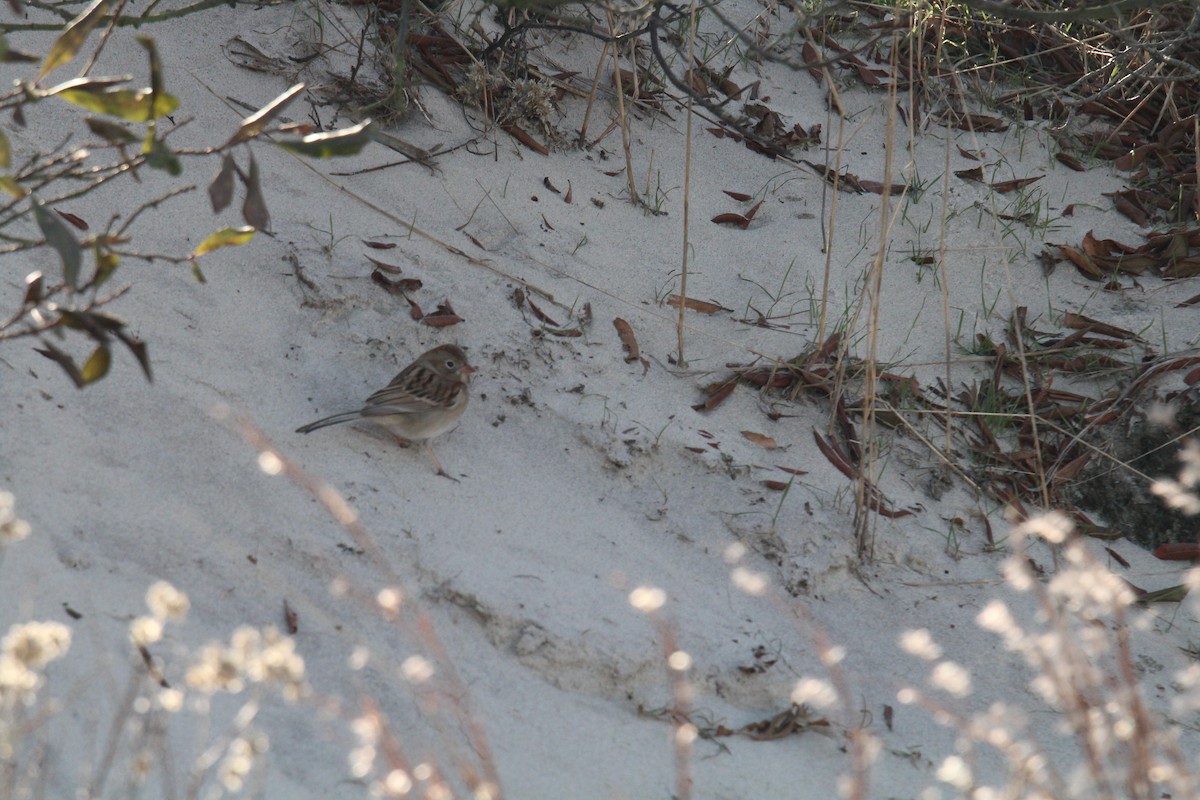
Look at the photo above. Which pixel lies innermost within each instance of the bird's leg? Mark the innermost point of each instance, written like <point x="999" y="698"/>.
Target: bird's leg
<point x="438" y="464"/>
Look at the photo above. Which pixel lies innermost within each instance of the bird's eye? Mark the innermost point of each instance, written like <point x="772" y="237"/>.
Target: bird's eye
<point x="450" y="363"/>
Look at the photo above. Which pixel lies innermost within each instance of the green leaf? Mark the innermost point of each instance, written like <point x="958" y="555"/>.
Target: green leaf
<point x="346" y="142"/>
<point x="10" y="186"/>
<point x="106" y="264"/>
<point x="96" y="367"/>
<point x="70" y="40"/>
<point x="59" y="237"/>
<point x="160" y="156"/>
<point x="226" y="237"/>
<point x="1171" y="594"/>
<point x="254" y="124"/>
<point x="10" y="56"/>
<point x="134" y="105"/>
<point x="5" y="151"/>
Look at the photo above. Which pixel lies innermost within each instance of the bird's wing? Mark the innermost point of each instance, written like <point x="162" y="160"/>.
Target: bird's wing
<point x="406" y="394"/>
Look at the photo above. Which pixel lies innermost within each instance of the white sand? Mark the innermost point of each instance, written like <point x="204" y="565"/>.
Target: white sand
<point x="576" y="481"/>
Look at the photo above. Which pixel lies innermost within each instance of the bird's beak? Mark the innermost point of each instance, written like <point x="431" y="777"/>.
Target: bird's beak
<point x="467" y="369"/>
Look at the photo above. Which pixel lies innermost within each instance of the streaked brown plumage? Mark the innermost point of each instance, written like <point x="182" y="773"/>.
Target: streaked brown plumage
<point x="424" y="401"/>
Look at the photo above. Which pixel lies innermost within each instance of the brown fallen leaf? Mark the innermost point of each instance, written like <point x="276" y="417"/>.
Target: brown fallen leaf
<point x="380" y="245"/>
<point x="846" y="181"/>
<point x="628" y="340"/>
<point x="414" y="310"/>
<point x="525" y="139"/>
<point x="1081" y="261"/>
<point x="717" y="394"/>
<point x="566" y="333"/>
<point x="762" y="440"/>
<point x="390" y="269"/>
<point x="1070" y="161"/>
<point x="790" y="722"/>
<point x="973" y="174"/>
<point x="774" y="486"/>
<point x="978" y="123"/>
<point x="1127" y="204"/>
<point x="442" y="317"/>
<point x="813" y="61"/>
<point x="1177" y="551"/>
<point x="696" y="305"/>
<point x="875" y="187"/>
<point x="730" y="218"/>
<point x="541" y="315"/>
<point x="1080" y="322"/>
<point x="395" y="287"/>
<point x="290" y="618"/>
<point x="1004" y="187"/>
<point x="1135" y="157"/>
<point x="1117" y="557"/>
<point x="1191" y="301"/>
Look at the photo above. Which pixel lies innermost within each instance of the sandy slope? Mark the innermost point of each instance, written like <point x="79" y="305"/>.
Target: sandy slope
<point x="577" y="483"/>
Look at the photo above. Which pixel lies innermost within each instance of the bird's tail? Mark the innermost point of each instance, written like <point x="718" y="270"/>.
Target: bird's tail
<point x="334" y="420"/>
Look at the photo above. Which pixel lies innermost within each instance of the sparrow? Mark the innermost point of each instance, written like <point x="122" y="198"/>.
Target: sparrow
<point x="425" y="400"/>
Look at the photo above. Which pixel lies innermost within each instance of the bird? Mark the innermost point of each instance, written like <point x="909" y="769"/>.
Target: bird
<point x="423" y="401"/>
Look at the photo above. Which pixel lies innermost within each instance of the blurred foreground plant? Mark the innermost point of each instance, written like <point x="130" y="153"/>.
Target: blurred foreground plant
<point x="128" y="133"/>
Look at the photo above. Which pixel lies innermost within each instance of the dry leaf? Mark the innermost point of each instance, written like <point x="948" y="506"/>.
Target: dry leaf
<point x="730" y="218"/>
<point x="1070" y="161"/>
<point x="541" y="315"/>
<point x="717" y="393"/>
<point x="792" y="470"/>
<point x="696" y="305"/>
<point x="390" y="269"/>
<point x="442" y="317"/>
<point x="1177" y="552"/>
<point x="762" y="440"/>
<point x="628" y="340"/>
<point x="74" y="220"/>
<point x="1004" y="187"/>
<point x="395" y="287"/>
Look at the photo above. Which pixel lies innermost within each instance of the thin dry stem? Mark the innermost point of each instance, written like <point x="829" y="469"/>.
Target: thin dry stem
<point x="687" y="189"/>
<point x="621" y="116"/>
<point x="591" y="98"/>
